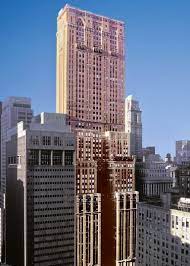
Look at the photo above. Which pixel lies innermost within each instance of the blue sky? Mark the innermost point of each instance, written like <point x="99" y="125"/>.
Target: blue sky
<point x="157" y="65"/>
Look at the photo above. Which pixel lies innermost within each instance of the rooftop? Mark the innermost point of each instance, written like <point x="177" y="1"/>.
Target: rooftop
<point x="67" y="6"/>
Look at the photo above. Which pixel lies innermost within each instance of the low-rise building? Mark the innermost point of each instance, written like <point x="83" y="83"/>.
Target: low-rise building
<point x="163" y="232"/>
<point x="153" y="176"/>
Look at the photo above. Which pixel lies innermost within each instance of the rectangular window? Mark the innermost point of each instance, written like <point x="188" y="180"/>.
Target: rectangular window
<point x="33" y="157"/>
<point x="68" y="157"/>
<point x="45" y="157"/>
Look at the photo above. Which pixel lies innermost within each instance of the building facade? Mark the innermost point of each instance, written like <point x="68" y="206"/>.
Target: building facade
<point x="88" y="220"/>
<point x="182" y="179"/>
<point x="126" y="207"/>
<point x="40" y="193"/>
<point x="154" y="176"/>
<point x="163" y="236"/>
<point x="104" y="168"/>
<point x="133" y="125"/>
<point x="183" y="151"/>
<point x="148" y="150"/>
<point x="14" y="110"/>
<point x="90" y="91"/>
<point x="90" y="70"/>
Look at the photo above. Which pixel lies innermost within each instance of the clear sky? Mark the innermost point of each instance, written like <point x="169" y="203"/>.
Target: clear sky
<point x="157" y="65"/>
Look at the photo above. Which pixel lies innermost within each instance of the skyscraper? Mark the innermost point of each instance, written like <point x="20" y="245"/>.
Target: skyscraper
<point x="90" y="90"/>
<point x="104" y="169"/>
<point x="133" y="125"/>
<point x="40" y="193"/>
<point x="90" y="70"/>
<point x="14" y="110"/>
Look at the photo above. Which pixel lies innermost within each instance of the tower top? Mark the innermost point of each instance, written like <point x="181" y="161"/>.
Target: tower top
<point x="67" y="6"/>
<point x="130" y="97"/>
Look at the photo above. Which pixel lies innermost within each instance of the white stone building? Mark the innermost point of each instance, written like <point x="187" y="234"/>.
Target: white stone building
<point x="163" y="233"/>
<point x="153" y="176"/>
<point x="133" y="125"/>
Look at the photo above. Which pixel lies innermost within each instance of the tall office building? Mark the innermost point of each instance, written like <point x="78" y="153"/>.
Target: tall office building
<point x="90" y="70"/>
<point x="133" y="125"/>
<point x="90" y="90"/>
<point x="14" y="110"/>
<point x="40" y="193"/>
<point x="104" y="169"/>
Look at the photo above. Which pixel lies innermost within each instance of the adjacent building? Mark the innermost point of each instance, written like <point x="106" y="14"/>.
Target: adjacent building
<point x="133" y="125"/>
<point x="183" y="151"/>
<point x="14" y="110"/>
<point x="154" y="176"/>
<point x="182" y="179"/>
<point x="88" y="231"/>
<point x="104" y="169"/>
<point x="148" y="150"/>
<point x="126" y="208"/>
<point x="163" y="232"/>
<point x="40" y="193"/>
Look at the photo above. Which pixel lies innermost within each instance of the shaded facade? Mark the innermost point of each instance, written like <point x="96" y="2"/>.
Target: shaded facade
<point x="133" y="125"/>
<point x="14" y="110"/>
<point x="88" y="220"/>
<point x="40" y="193"/>
<point x="153" y="176"/>
<point x="104" y="168"/>
<point x="183" y="152"/>
<point x="182" y="179"/>
<point x="126" y="208"/>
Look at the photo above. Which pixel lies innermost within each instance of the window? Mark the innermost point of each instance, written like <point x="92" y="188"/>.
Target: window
<point x="46" y="140"/>
<point x="57" y="157"/>
<point x="45" y="157"/>
<point x="33" y="157"/>
<point x="68" y="157"/>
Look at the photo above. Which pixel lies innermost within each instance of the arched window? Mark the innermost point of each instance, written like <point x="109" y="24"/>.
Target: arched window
<point x="97" y="34"/>
<point x="80" y="31"/>
<point x="113" y="39"/>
